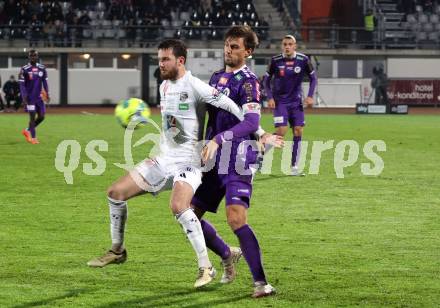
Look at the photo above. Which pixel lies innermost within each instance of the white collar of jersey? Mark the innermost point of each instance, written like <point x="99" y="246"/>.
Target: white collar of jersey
<point x="293" y="56"/>
<point x="241" y="68"/>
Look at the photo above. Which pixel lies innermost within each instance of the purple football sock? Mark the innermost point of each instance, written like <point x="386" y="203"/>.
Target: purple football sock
<point x="251" y="252"/>
<point x="296" y="149"/>
<point x="32" y="129"/>
<point x="214" y="241"/>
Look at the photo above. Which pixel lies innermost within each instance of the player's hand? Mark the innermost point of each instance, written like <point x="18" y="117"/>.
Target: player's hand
<point x="273" y="140"/>
<point x="271" y="103"/>
<point x="47" y="100"/>
<point x="209" y="150"/>
<point x="308" y="101"/>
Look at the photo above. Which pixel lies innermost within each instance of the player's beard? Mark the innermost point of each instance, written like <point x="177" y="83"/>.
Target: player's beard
<point x="231" y="62"/>
<point x="170" y="74"/>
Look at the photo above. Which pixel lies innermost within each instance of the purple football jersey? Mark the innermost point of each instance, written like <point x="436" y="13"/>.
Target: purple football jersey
<point x="32" y="79"/>
<point x="287" y="75"/>
<point x="242" y="86"/>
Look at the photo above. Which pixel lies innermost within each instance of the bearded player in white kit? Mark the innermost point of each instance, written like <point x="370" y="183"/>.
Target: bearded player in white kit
<point x="177" y="167"/>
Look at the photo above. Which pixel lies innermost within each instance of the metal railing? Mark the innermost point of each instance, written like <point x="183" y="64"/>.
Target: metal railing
<point x="333" y="36"/>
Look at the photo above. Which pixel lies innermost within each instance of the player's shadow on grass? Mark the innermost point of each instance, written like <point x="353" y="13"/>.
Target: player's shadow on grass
<point x="269" y="177"/>
<point x="71" y="293"/>
<point x="178" y="298"/>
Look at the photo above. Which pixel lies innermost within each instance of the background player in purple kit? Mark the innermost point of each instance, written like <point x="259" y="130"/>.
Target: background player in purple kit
<point x="33" y="83"/>
<point x="285" y="93"/>
<point x="241" y="85"/>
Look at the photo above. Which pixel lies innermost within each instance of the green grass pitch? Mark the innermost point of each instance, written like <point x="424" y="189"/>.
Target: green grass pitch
<point x="360" y="240"/>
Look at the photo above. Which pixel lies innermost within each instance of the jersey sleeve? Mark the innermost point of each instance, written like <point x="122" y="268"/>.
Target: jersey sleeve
<point x="249" y="96"/>
<point x="22" y="82"/>
<point x="310" y="71"/>
<point x="45" y="84"/>
<point x="249" y="92"/>
<point x="267" y="78"/>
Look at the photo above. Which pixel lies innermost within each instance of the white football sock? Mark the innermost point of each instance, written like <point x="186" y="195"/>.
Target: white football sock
<point x="193" y="230"/>
<point x="118" y="217"/>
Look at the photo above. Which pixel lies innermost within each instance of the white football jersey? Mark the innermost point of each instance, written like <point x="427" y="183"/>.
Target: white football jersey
<point x="183" y="110"/>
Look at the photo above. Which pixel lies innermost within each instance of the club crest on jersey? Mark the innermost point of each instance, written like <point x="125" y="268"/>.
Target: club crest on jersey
<point x="183" y="96"/>
<point x="297" y="69"/>
<point x="248" y="89"/>
<point x="40" y="74"/>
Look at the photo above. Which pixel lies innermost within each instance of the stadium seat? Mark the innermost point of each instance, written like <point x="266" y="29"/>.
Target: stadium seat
<point x="411" y="18"/>
<point x="433" y="36"/>
<point x="428" y="27"/>
<point x="434" y="18"/>
<point x="421" y="36"/>
<point x="423" y="18"/>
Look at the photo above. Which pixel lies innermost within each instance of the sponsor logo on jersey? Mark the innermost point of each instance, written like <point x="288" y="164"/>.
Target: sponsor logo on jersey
<point x="35" y="69"/>
<point x="299" y="57"/>
<point x="282" y="72"/>
<point x="223" y="80"/>
<point x="183" y="96"/>
<point x="238" y="77"/>
<point x="290" y="62"/>
<point x="278" y="120"/>
<point x="243" y="190"/>
<point x="183" y="106"/>
<point x="297" y="69"/>
<point x="226" y="91"/>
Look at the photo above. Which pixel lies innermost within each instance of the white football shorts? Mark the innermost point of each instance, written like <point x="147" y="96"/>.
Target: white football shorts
<point x="160" y="173"/>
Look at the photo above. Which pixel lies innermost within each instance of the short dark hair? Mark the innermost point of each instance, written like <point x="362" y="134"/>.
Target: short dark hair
<point x="178" y="47"/>
<point x="249" y="37"/>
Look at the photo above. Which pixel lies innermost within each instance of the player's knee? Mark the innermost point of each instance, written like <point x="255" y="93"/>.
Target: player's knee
<point x="116" y="193"/>
<point x="297" y="131"/>
<point x="281" y="131"/>
<point x="236" y="219"/>
<point x="41" y="118"/>
<point x="178" y="206"/>
<point x="236" y="222"/>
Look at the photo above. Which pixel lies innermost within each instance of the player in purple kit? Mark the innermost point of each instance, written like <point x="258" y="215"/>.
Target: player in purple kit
<point x="285" y="93"/>
<point x="34" y="88"/>
<point x="226" y="179"/>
